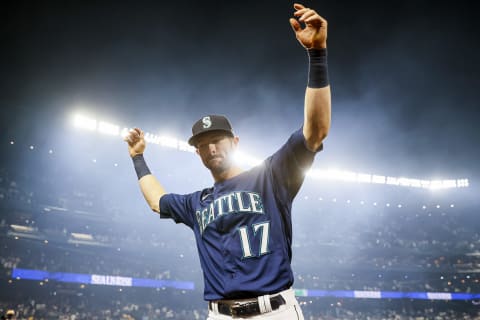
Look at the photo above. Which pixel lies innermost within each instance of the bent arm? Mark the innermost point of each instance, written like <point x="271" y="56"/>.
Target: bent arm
<point x="152" y="191"/>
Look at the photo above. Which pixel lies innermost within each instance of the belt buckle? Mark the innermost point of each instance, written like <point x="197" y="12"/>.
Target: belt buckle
<point x="235" y="308"/>
<point x="242" y="309"/>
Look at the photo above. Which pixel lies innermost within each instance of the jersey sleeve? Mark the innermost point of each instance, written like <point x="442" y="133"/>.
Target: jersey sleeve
<point x="290" y="163"/>
<point x="178" y="208"/>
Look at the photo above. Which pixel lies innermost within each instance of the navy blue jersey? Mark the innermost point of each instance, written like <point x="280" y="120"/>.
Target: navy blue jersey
<point x="243" y="225"/>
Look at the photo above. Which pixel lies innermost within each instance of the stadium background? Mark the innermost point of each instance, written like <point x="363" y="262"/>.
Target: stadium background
<point x="404" y="78"/>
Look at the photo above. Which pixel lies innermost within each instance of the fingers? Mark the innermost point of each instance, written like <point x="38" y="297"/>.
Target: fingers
<point x="130" y="135"/>
<point x="295" y="25"/>
<point x="309" y="27"/>
<point x="306" y="15"/>
<point x="300" y="12"/>
<point x="134" y="135"/>
<point x="311" y="19"/>
<point x="127" y="138"/>
<point x="298" y="6"/>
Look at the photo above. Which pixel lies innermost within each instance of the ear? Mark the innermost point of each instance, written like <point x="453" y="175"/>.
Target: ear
<point x="236" y="140"/>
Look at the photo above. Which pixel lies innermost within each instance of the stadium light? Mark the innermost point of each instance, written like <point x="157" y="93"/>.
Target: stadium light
<point x="82" y="236"/>
<point x="246" y="160"/>
<point x="363" y="177"/>
<point x="393" y="181"/>
<point x="108" y="128"/>
<point x="462" y="183"/>
<point x="83" y="122"/>
<point x="379" y="179"/>
<point x="184" y="146"/>
<point x="168" y="142"/>
<point x="23" y="229"/>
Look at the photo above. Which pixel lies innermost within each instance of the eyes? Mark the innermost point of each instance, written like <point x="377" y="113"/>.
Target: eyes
<point x="204" y="143"/>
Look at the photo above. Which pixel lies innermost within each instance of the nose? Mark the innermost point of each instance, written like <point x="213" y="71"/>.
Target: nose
<point x="212" y="148"/>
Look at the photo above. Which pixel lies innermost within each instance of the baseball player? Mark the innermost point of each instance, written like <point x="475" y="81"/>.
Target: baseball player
<point x="242" y="224"/>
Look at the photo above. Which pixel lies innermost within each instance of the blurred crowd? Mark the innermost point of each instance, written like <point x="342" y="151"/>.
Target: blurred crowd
<point x="81" y="308"/>
<point x="367" y="238"/>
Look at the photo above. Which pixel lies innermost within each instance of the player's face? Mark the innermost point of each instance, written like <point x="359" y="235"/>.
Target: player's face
<point x="216" y="151"/>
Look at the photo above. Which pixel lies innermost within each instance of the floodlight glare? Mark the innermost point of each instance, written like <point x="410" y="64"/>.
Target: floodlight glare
<point x="124" y="132"/>
<point x="20" y="228"/>
<point x="108" y="128"/>
<point x="184" y="146"/>
<point x="416" y="183"/>
<point x="462" y="183"/>
<point x="83" y="122"/>
<point x="393" y="181"/>
<point x="378" y="179"/>
<point x="81" y="236"/>
<point x="364" y="177"/>
<point x="435" y="184"/>
<point x="404" y="182"/>
<point x="449" y="183"/>
<point x="246" y="160"/>
<point x="168" y="142"/>
<point x="152" y="138"/>
<point x="347" y="176"/>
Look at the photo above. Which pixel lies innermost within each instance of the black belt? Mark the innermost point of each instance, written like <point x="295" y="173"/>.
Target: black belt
<point x="246" y="309"/>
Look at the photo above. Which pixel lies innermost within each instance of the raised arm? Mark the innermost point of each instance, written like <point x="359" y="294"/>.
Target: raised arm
<point x="313" y="37"/>
<point x="152" y="190"/>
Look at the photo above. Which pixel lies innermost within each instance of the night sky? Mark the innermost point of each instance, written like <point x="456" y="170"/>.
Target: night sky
<point x="404" y="75"/>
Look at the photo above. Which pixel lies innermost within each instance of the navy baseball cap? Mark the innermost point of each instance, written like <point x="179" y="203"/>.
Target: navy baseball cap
<point x="209" y="123"/>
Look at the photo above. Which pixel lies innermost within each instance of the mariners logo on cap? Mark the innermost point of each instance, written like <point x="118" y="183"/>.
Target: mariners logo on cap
<point x="207" y="122"/>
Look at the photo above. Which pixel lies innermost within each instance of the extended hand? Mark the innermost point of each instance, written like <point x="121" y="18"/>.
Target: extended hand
<point x="314" y="35"/>
<point x="136" y="142"/>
